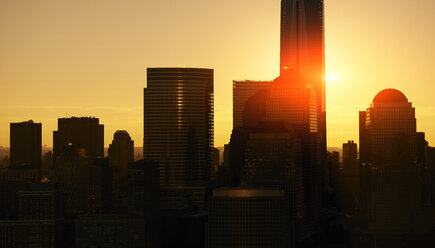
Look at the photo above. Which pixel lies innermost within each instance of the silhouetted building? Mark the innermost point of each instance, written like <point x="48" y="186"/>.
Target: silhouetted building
<point x="25" y="144"/>
<point x="100" y="186"/>
<point x="41" y="219"/>
<point x="73" y="177"/>
<point x="121" y="152"/>
<point x="13" y="180"/>
<point x="242" y="91"/>
<point x="178" y="128"/>
<point x="42" y="202"/>
<point x="429" y="179"/>
<point x="350" y="159"/>
<point x="249" y="218"/>
<point x="108" y="230"/>
<point x="47" y="168"/>
<point x="390" y="176"/>
<point x="293" y="101"/>
<point x="216" y="161"/>
<point x="34" y="233"/>
<point x="303" y="49"/>
<point x="81" y="132"/>
<point x="274" y="161"/>
<point x="87" y="182"/>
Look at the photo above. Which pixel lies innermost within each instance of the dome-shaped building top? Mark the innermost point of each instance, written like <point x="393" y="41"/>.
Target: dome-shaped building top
<point x="390" y="96"/>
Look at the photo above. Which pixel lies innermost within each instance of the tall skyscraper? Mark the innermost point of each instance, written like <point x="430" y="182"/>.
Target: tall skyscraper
<point x="25" y="144"/>
<point x="81" y="132"/>
<point x="121" y="152"/>
<point x="178" y="128"/>
<point x="303" y="49"/>
<point x="242" y="91"/>
<point x="293" y="101"/>
<point x="390" y="176"/>
<point x="302" y="41"/>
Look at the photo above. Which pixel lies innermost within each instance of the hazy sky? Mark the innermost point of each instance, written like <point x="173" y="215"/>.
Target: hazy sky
<point x="88" y="57"/>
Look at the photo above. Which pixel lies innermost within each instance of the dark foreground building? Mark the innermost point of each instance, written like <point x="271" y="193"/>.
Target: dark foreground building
<point x="249" y="218"/>
<point x="390" y="176"/>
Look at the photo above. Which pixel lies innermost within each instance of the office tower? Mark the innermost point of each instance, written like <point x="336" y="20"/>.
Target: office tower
<point x="303" y="49"/>
<point x="242" y="91"/>
<point x="273" y="160"/>
<point x="347" y="188"/>
<point x="293" y="101"/>
<point x="25" y="144"/>
<point x="350" y="159"/>
<point x="73" y="177"/>
<point x="390" y="177"/>
<point x="81" y="132"/>
<point x="249" y="218"/>
<point x="302" y="42"/>
<point x="121" y="152"/>
<point x="178" y="128"/>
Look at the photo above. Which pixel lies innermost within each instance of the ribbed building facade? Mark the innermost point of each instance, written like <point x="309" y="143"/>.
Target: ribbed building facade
<point x="178" y="128"/>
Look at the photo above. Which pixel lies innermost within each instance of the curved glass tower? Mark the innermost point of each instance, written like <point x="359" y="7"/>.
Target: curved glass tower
<point x="178" y="129"/>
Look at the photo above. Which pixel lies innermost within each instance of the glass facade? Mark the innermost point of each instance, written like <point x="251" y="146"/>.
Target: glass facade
<point x="178" y="127"/>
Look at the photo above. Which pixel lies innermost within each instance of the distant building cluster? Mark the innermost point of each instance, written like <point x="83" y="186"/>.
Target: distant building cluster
<point x="277" y="185"/>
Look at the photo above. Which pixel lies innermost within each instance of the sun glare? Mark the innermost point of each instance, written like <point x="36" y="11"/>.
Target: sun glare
<point x="333" y="78"/>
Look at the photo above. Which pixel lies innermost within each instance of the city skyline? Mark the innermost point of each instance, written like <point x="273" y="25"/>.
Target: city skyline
<point x="53" y="80"/>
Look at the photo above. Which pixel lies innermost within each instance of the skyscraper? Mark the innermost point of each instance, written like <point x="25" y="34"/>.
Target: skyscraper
<point x="303" y="49"/>
<point x="293" y="101"/>
<point x="178" y="128"/>
<point x="25" y="144"/>
<point x="81" y="132"/>
<point x="350" y="159"/>
<point x="121" y="152"/>
<point x="390" y="176"/>
<point x="302" y="41"/>
<point x="242" y="91"/>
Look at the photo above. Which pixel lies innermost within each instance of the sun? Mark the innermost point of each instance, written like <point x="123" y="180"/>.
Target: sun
<point x="333" y="78"/>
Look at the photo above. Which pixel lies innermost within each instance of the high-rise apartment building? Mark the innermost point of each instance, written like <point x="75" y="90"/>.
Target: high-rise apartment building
<point x="81" y="132"/>
<point x="390" y="176"/>
<point x="242" y="91"/>
<point x="25" y="144"/>
<point x="178" y="128"/>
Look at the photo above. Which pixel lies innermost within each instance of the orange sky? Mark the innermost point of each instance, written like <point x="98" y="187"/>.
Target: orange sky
<point x="88" y="57"/>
